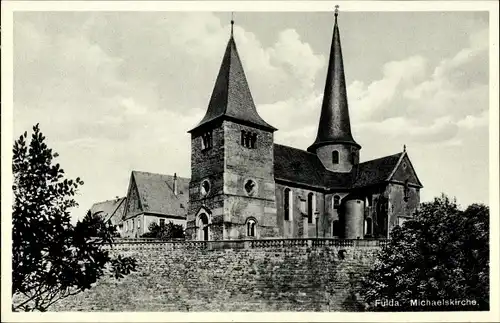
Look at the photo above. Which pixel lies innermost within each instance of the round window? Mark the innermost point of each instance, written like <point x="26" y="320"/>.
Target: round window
<point x="205" y="187"/>
<point x="250" y="187"/>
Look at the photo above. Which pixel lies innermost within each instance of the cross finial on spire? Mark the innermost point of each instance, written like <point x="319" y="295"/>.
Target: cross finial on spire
<point x="404" y="147"/>
<point x="232" y="23"/>
<point x="336" y="10"/>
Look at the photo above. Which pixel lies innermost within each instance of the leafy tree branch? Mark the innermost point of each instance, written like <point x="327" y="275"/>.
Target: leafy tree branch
<point x="51" y="258"/>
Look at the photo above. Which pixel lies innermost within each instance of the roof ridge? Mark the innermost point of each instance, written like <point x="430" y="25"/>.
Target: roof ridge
<point x="111" y="200"/>
<point x="375" y="159"/>
<point x="302" y="150"/>
<point x="151" y="173"/>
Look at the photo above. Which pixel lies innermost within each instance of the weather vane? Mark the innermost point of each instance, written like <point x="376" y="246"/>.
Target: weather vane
<point x="232" y="22"/>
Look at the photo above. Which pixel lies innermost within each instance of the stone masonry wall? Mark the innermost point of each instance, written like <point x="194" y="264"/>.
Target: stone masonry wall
<point x="262" y="275"/>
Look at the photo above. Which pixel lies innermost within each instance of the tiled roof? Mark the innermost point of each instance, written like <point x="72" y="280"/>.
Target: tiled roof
<point x="375" y="171"/>
<point x="156" y="193"/>
<point x="231" y="97"/>
<point x="107" y="208"/>
<point x="299" y="166"/>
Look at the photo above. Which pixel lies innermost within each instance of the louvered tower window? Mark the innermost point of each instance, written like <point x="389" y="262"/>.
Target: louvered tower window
<point x="248" y="139"/>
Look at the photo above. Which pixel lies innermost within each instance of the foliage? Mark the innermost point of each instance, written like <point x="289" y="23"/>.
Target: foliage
<point x="169" y="231"/>
<point x="52" y="259"/>
<point x="440" y="255"/>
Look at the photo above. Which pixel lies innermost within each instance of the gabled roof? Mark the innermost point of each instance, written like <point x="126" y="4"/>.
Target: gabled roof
<point x="156" y="193"/>
<point x="231" y="98"/>
<point x="301" y="167"/>
<point x="375" y="171"/>
<point x="107" y="209"/>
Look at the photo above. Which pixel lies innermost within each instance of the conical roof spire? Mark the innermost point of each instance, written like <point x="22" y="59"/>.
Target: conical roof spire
<point x="231" y="98"/>
<point x="334" y="124"/>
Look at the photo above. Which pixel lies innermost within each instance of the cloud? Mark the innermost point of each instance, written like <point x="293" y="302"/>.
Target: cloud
<point x="471" y="122"/>
<point x="110" y="100"/>
<point x="426" y="107"/>
<point x="372" y="101"/>
<point x="441" y="129"/>
<point x="115" y="92"/>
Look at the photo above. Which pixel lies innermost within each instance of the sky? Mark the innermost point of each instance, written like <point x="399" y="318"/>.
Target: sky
<point x="117" y="91"/>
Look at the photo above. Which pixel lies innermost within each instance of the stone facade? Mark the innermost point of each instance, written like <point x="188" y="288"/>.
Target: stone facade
<point x="271" y="277"/>
<point x="240" y="182"/>
<point x="237" y="193"/>
<point x="348" y="156"/>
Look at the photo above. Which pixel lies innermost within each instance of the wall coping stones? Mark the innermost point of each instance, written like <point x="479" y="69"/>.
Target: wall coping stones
<point x="248" y="244"/>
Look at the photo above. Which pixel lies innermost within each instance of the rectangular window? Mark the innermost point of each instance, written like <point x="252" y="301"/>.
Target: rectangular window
<point x="310" y="207"/>
<point x="287" y="203"/>
<point x="335" y="157"/>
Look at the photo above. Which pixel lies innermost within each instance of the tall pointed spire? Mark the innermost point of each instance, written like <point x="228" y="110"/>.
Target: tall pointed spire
<point x="231" y="98"/>
<point x="334" y="124"/>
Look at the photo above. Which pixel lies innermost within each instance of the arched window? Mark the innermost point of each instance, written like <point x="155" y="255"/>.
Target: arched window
<point x="287" y="203"/>
<point x="336" y="202"/>
<point x="206" y="140"/>
<point x="253" y="140"/>
<point x="310" y="207"/>
<point x="335" y="157"/>
<point x="251" y="227"/>
<point x="248" y="139"/>
<point x="203" y="226"/>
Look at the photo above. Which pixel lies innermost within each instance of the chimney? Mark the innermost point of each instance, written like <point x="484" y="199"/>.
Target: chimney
<point x="175" y="183"/>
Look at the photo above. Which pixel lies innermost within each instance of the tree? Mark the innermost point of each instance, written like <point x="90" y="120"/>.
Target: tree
<point x="51" y="258"/>
<point x="170" y="231"/>
<point x="440" y="257"/>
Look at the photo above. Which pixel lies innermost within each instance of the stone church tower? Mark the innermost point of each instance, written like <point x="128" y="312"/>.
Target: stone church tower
<point x="232" y="189"/>
<point x="334" y="144"/>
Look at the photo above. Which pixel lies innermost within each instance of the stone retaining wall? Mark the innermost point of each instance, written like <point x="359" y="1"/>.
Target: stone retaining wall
<point x="247" y="275"/>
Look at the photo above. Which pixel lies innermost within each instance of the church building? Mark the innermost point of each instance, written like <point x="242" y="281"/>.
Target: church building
<point x="245" y="186"/>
